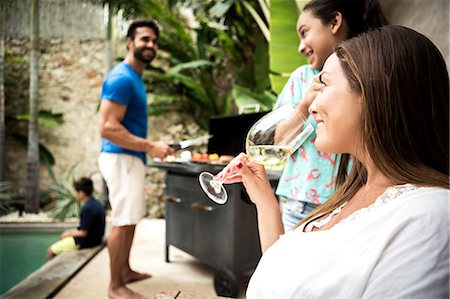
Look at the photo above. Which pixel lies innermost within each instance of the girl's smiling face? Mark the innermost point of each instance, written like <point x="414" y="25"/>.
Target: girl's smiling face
<point x="337" y="110"/>
<point x="317" y="41"/>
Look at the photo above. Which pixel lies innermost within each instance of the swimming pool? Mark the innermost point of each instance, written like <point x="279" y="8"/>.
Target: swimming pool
<point x="23" y="250"/>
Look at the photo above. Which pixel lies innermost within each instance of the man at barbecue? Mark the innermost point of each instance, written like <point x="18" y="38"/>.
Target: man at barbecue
<point x="123" y="128"/>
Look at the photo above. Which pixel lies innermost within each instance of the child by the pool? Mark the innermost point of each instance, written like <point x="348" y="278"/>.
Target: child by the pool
<point x="92" y="222"/>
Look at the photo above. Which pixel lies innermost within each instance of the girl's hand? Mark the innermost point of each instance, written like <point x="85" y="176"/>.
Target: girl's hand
<point x="310" y="95"/>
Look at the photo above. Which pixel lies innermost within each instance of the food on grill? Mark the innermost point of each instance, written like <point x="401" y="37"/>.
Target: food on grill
<point x="185" y="156"/>
<point x="170" y="158"/>
<point x="211" y="158"/>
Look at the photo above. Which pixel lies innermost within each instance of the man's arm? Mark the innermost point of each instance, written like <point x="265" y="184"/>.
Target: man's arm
<point x="111" y="128"/>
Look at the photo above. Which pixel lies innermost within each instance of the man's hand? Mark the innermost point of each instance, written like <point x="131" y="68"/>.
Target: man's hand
<point x="159" y="149"/>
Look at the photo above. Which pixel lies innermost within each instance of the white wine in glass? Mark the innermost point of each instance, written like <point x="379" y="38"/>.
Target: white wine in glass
<point x="271" y="140"/>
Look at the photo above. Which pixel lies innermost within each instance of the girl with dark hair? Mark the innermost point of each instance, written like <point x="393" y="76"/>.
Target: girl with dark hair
<point x="309" y="177"/>
<point x="384" y="100"/>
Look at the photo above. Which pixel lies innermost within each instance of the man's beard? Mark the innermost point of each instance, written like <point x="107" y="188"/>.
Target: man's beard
<point x="139" y="55"/>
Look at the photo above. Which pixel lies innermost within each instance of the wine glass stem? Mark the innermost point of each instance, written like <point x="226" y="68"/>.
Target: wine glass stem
<point x="216" y="184"/>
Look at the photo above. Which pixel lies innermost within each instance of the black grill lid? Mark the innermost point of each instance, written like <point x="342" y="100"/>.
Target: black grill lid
<point x="229" y="132"/>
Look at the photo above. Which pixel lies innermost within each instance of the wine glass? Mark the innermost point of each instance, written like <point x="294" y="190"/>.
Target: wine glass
<point x="271" y="140"/>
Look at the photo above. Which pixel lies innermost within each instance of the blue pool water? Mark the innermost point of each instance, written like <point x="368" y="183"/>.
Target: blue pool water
<point x="21" y="253"/>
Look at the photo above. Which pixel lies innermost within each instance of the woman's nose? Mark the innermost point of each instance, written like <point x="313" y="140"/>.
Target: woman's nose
<point x="312" y="109"/>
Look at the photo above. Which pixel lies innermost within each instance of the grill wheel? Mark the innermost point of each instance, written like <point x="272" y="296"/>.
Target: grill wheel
<point x="226" y="284"/>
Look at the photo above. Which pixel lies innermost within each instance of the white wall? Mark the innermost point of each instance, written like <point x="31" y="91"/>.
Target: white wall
<point x="429" y="17"/>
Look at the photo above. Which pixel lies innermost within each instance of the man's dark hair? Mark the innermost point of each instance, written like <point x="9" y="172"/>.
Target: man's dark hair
<point x="152" y="24"/>
<point x="84" y="184"/>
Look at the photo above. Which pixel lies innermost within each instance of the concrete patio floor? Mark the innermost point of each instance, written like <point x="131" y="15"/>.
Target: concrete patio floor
<point x="184" y="273"/>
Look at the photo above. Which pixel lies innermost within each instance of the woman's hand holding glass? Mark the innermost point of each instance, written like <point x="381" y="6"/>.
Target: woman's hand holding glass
<point x="253" y="175"/>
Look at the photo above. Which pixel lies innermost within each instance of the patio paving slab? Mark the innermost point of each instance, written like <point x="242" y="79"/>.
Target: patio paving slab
<point x="183" y="274"/>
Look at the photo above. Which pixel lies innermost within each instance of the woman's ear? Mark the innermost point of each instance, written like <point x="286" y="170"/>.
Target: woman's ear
<point x="336" y="22"/>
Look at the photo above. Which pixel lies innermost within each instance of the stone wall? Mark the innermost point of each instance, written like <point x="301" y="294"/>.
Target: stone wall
<point x="71" y="73"/>
<point x="57" y="18"/>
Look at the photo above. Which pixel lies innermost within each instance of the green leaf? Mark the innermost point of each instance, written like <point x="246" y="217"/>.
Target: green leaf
<point x="264" y="4"/>
<point x="261" y="65"/>
<point x="66" y="205"/>
<point x="45" y="117"/>
<point x="262" y="25"/>
<point x="220" y="8"/>
<point x="245" y="98"/>
<point x="188" y="65"/>
<point x="283" y="48"/>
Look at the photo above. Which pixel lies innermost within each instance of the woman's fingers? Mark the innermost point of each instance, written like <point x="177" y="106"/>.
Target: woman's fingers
<point x="232" y="167"/>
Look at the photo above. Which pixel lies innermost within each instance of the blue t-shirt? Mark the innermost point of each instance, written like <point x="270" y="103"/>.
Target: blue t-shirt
<point x="124" y="85"/>
<point x="309" y="174"/>
<point x="92" y="220"/>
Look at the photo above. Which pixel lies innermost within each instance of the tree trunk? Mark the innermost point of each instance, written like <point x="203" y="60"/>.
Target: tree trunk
<point x="32" y="180"/>
<point x="109" y="33"/>
<point x="2" y="93"/>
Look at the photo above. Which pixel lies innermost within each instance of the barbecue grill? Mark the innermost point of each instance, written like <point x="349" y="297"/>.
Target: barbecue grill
<point x="224" y="237"/>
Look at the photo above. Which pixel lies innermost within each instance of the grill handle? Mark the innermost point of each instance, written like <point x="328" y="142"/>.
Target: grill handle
<point x="171" y="198"/>
<point x="200" y="207"/>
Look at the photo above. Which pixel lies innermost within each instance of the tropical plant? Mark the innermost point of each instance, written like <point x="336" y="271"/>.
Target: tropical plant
<point x="205" y="57"/>
<point x="217" y="60"/>
<point x="283" y="54"/>
<point x="6" y="197"/>
<point x="32" y="179"/>
<point x="66" y="204"/>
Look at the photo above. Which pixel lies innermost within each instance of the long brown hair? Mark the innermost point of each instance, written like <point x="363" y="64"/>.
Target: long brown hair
<point x="404" y="85"/>
<point x="360" y="15"/>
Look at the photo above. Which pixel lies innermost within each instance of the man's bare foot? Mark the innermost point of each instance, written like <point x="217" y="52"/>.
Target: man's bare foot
<point x="124" y="293"/>
<point x="133" y="276"/>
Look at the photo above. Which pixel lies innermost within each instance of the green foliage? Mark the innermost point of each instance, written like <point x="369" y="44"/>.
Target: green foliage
<point x="284" y="56"/>
<point x="223" y="46"/>
<point x="66" y="204"/>
<point x="246" y="98"/>
<point x="129" y="8"/>
<point x="204" y="62"/>
<point x="6" y="198"/>
<point x="45" y="118"/>
<point x="258" y="19"/>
